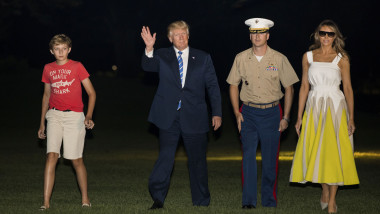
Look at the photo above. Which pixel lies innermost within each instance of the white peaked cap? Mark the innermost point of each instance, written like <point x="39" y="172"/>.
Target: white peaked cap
<point x="259" y="23"/>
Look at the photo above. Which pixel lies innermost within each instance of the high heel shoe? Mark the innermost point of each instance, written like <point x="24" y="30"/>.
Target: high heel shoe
<point x="336" y="209"/>
<point x="43" y="208"/>
<point x="86" y="205"/>
<point x="324" y="205"/>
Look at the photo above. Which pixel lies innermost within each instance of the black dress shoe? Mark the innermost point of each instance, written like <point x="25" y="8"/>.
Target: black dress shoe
<point x="250" y="206"/>
<point x="157" y="205"/>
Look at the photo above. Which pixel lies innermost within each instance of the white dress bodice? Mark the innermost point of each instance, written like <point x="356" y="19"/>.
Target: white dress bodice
<point x="325" y="79"/>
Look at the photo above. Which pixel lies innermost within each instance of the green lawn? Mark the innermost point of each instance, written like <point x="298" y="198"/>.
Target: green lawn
<point x="121" y="150"/>
<point x="118" y="184"/>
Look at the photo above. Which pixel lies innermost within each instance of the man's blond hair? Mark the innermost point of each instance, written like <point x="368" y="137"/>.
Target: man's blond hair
<point x="178" y="25"/>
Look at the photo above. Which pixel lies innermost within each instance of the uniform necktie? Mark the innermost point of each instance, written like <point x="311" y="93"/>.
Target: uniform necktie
<point x="180" y="64"/>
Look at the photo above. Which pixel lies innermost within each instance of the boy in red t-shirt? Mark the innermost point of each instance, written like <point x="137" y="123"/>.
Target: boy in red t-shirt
<point x="62" y="107"/>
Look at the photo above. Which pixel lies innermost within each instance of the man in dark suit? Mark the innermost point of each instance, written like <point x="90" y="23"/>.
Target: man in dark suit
<point x="179" y="109"/>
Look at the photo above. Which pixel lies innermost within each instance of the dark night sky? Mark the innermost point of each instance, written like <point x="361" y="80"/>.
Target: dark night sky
<point x="108" y="32"/>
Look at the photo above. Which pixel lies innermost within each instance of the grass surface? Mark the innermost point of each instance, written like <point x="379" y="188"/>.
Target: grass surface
<point x="118" y="184"/>
<point x="121" y="150"/>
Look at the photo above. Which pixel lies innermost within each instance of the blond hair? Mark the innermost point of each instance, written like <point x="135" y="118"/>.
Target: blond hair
<point x="178" y="25"/>
<point x="338" y="43"/>
<point x="60" y="39"/>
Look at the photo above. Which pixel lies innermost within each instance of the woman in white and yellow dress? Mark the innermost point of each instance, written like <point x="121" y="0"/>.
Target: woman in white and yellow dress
<point x="325" y="152"/>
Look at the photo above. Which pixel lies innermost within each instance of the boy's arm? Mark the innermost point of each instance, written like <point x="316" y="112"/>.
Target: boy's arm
<point x="44" y="109"/>
<point x="91" y="102"/>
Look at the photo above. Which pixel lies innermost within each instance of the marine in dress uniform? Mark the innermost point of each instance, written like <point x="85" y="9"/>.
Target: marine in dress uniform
<point x="261" y="71"/>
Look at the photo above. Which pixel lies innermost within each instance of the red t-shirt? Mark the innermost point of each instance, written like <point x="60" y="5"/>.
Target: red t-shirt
<point x="65" y="82"/>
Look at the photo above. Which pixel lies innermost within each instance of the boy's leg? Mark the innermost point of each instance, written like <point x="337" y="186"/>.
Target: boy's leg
<point x="74" y="133"/>
<point x="49" y="176"/>
<point x="54" y="133"/>
<point x="73" y="143"/>
<point x="81" y="172"/>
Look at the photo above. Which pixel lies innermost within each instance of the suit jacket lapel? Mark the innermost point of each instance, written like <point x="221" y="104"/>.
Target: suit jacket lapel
<point x="190" y="66"/>
<point x="174" y="65"/>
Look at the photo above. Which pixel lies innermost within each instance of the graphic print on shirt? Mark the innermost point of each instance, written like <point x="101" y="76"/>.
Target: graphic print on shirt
<point x="61" y="86"/>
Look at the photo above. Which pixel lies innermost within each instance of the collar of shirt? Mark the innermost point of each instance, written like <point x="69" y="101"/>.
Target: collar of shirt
<point x="267" y="53"/>
<point x="185" y="52"/>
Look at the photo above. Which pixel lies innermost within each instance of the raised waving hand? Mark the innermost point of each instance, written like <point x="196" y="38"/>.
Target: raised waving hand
<point x="149" y="40"/>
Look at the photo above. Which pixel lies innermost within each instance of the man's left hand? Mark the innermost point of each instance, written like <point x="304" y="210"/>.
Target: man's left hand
<point x="216" y="122"/>
<point x="283" y="125"/>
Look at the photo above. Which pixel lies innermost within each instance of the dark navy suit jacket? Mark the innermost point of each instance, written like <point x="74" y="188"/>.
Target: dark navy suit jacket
<point x="200" y="77"/>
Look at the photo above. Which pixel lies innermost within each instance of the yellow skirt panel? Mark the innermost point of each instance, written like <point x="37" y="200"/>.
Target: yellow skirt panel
<point x="324" y="154"/>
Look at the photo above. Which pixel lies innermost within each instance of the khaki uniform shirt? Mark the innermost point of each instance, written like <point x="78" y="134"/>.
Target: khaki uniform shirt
<point x="261" y="80"/>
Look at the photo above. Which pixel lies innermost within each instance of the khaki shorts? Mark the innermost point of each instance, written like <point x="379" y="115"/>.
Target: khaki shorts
<point x="66" y="126"/>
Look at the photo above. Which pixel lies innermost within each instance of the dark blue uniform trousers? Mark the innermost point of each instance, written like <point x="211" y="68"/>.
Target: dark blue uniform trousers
<point x="196" y="146"/>
<point x="260" y="125"/>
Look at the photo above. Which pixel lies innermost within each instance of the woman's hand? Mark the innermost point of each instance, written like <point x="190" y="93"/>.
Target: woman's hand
<point x="298" y="126"/>
<point x="351" y="127"/>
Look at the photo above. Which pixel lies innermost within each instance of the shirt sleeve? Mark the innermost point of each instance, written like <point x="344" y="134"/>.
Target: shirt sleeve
<point x="287" y="75"/>
<point x="45" y="75"/>
<point x="150" y="54"/>
<point x="82" y="72"/>
<point x="234" y="78"/>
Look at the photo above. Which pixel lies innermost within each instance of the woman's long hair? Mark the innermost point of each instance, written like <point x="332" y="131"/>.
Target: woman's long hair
<point x="338" y="43"/>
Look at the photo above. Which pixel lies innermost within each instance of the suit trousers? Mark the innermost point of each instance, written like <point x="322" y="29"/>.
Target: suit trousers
<point x="195" y="146"/>
<point x="260" y="125"/>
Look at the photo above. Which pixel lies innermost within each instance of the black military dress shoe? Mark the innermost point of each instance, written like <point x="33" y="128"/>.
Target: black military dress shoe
<point x="157" y="205"/>
<point x="248" y="206"/>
